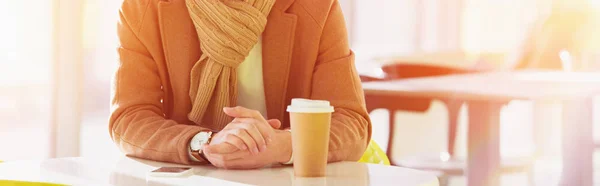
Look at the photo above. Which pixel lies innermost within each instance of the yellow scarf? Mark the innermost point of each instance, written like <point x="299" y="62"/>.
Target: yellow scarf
<point x="227" y="31"/>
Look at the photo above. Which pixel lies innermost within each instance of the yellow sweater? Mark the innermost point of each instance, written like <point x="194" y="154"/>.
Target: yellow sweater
<point x="251" y="90"/>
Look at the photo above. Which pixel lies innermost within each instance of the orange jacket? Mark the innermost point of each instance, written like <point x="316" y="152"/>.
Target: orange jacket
<point x="305" y="55"/>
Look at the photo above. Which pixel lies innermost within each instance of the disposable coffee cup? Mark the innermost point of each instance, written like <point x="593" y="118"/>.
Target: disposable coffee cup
<point x="310" y="122"/>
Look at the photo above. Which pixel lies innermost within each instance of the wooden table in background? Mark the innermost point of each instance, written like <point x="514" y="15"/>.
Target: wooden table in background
<point x="486" y="94"/>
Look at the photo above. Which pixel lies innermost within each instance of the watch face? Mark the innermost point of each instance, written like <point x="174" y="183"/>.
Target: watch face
<point x="198" y="140"/>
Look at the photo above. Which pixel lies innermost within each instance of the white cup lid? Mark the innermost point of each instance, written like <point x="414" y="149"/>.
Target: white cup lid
<point x="309" y="106"/>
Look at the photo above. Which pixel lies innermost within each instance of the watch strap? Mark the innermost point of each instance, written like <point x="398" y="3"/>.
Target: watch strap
<point x="199" y="156"/>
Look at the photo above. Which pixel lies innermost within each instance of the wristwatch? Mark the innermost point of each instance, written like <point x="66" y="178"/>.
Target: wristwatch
<point x="197" y="142"/>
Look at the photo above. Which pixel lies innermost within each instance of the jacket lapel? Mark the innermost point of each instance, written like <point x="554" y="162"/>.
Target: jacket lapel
<point x="278" y="41"/>
<point x="182" y="49"/>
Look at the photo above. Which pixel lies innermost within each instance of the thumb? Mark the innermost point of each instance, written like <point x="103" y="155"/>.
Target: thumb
<point x="275" y="123"/>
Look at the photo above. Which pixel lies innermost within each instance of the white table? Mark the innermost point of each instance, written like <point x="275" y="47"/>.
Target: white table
<point x="486" y="94"/>
<point x="131" y="171"/>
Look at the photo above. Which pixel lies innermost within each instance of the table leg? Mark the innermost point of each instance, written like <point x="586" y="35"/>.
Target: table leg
<point x="578" y="143"/>
<point x="483" y="144"/>
<point x="453" y="113"/>
<point x="541" y="111"/>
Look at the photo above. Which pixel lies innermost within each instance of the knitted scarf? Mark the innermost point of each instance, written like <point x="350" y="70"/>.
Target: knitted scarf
<point x="227" y="31"/>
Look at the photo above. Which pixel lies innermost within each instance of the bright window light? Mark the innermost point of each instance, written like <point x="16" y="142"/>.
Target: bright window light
<point x="595" y="3"/>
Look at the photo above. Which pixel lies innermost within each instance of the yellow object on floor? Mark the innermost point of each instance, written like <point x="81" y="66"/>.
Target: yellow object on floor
<point x="375" y="155"/>
<point x="26" y="183"/>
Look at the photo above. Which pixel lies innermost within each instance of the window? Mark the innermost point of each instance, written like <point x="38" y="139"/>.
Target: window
<point x="386" y="27"/>
<point x="100" y="61"/>
<point x="25" y="79"/>
<point x="498" y="26"/>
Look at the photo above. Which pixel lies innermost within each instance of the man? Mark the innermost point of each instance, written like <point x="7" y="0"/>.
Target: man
<point x="207" y="81"/>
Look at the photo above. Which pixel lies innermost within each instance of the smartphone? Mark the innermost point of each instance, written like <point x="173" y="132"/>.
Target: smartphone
<point x="171" y="172"/>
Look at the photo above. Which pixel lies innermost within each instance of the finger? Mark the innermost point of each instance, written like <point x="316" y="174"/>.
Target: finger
<point x="208" y="155"/>
<point x="265" y="129"/>
<point x="235" y="141"/>
<point x="240" y="164"/>
<point x="225" y="160"/>
<point x="241" y="112"/>
<point x="255" y="133"/>
<point x="231" y="156"/>
<point x="259" y="130"/>
<point x="221" y="148"/>
<point x="248" y="140"/>
<point x="275" y="123"/>
<point x="206" y="151"/>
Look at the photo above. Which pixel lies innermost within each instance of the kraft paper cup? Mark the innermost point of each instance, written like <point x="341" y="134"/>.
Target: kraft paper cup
<point x="310" y="122"/>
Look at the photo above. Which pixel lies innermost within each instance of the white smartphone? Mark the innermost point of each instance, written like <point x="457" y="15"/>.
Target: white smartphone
<point x="171" y="172"/>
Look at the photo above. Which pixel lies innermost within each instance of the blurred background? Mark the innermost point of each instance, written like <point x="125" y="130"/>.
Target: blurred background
<point x="57" y="58"/>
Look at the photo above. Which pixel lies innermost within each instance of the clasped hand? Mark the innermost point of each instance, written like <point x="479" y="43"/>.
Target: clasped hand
<point x="248" y="142"/>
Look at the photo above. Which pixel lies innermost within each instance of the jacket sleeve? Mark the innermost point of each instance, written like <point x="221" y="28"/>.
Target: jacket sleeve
<point x="335" y="79"/>
<point x="137" y="122"/>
